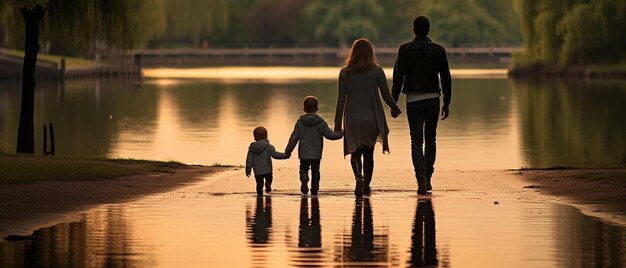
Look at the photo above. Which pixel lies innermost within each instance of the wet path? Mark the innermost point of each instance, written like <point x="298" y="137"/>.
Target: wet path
<point x="475" y="219"/>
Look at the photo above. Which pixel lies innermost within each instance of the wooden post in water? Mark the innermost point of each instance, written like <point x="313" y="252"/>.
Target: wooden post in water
<point x="62" y="69"/>
<point x="45" y="139"/>
<point x="52" y="148"/>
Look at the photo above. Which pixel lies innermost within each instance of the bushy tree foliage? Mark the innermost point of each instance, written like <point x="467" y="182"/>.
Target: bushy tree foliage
<point x="340" y="22"/>
<point x="575" y="32"/>
<point x="277" y="23"/>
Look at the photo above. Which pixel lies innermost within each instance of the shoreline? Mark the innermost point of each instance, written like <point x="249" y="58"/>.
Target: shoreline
<point x="28" y="206"/>
<point x="597" y="192"/>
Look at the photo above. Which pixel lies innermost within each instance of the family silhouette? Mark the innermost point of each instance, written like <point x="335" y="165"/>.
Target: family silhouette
<point x="421" y="67"/>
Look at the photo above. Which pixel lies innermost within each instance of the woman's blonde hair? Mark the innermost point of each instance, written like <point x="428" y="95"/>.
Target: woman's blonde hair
<point x="361" y="58"/>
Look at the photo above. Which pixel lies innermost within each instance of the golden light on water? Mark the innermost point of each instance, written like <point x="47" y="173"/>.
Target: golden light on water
<point x="281" y="74"/>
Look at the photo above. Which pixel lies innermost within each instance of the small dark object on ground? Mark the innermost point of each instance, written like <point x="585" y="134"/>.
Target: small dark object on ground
<point x="533" y="186"/>
<point x="496" y="202"/>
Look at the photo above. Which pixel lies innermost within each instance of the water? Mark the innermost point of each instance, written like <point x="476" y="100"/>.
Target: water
<point x="200" y="226"/>
<point x="495" y="123"/>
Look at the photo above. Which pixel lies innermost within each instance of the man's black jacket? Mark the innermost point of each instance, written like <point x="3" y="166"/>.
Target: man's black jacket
<point x="419" y="65"/>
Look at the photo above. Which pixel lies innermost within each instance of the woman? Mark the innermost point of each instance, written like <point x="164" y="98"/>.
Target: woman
<point x="359" y="105"/>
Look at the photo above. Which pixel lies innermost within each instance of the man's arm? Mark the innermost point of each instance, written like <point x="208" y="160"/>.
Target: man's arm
<point x="446" y="79"/>
<point x="399" y="72"/>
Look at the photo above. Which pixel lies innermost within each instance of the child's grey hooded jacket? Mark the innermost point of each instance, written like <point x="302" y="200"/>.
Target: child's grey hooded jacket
<point x="310" y="131"/>
<point x="259" y="157"/>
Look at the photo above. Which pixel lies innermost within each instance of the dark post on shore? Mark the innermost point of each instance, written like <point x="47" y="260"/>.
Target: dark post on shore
<point x="52" y="150"/>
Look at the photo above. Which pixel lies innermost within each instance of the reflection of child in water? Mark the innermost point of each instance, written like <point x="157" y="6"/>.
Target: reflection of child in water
<point x="260" y="224"/>
<point x="310" y="234"/>
<point x="259" y="159"/>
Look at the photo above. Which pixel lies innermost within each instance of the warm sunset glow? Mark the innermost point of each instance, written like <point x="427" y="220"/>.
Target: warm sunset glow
<point x="281" y="74"/>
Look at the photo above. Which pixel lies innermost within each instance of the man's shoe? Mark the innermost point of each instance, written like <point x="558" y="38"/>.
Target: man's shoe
<point x="421" y="185"/>
<point x="367" y="190"/>
<point x="358" y="190"/>
<point x="304" y="180"/>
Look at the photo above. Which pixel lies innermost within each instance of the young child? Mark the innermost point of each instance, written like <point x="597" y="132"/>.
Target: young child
<point x="310" y="131"/>
<point x="260" y="154"/>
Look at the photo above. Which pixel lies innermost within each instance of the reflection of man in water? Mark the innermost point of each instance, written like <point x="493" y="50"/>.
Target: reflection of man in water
<point x="260" y="225"/>
<point x="423" y="248"/>
<point x="310" y="234"/>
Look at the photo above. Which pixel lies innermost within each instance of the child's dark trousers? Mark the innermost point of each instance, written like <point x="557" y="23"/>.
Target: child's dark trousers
<point x="314" y="165"/>
<point x="263" y="179"/>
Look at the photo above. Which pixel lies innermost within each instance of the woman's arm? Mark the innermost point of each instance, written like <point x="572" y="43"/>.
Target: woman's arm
<point x="341" y="102"/>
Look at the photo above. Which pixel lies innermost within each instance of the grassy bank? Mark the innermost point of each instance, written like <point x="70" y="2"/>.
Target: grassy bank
<point x="70" y="62"/>
<point x="22" y="169"/>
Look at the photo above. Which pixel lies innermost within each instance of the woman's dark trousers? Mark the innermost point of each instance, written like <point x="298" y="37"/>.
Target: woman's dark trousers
<point x="363" y="168"/>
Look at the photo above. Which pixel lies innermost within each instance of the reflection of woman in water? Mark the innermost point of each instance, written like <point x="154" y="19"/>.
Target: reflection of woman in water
<point x="363" y="245"/>
<point x="423" y="248"/>
<point x="259" y="225"/>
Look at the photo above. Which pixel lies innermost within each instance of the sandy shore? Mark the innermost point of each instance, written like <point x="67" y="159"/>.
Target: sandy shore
<point x="24" y="206"/>
<point x="597" y="192"/>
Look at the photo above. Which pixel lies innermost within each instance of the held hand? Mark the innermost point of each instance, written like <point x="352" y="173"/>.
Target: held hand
<point x="395" y="112"/>
<point x="445" y="112"/>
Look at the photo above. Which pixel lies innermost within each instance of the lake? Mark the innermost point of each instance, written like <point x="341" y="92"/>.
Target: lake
<point x="206" y="116"/>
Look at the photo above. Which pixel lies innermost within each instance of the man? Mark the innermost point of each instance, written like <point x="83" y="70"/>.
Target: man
<point x="419" y="67"/>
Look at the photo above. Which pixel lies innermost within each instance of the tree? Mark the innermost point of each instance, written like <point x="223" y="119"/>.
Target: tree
<point x="571" y="32"/>
<point x="111" y="21"/>
<point x="340" y="22"/>
<point x="280" y="29"/>
<point x="32" y="12"/>
<point x="468" y="22"/>
<point x="193" y="20"/>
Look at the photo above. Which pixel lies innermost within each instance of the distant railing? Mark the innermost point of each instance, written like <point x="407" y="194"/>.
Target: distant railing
<point x="320" y="51"/>
<point x="11" y="68"/>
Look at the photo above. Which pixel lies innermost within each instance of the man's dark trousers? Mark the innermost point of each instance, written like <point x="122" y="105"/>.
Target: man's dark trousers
<point x="423" y="116"/>
<point x="314" y="165"/>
